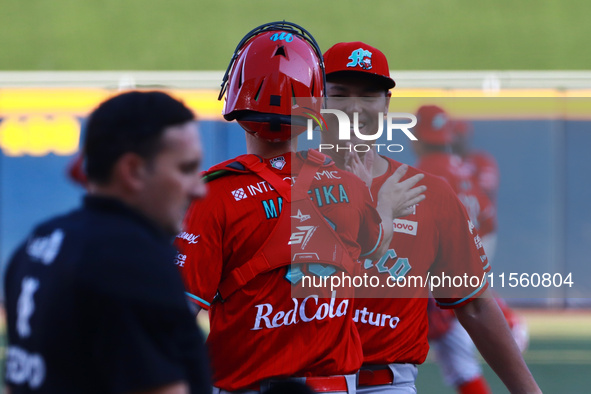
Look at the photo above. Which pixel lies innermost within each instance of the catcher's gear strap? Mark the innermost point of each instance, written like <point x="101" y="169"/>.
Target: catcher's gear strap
<point x="326" y="247"/>
<point x="247" y="164"/>
<point x="313" y="161"/>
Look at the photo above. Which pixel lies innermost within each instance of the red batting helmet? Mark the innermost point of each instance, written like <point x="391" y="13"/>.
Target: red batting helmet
<point x="433" y="125"/>
<point x="272" y="66"/>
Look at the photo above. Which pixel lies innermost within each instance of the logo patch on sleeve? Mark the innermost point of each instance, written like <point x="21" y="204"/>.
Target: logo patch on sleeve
<point x="239" y="194"/>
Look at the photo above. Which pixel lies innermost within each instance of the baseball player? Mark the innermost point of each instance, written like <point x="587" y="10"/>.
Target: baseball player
<point x="454" y="350"/>
<point x="482" y="170"/>
<point x="481" y="166"/>
<point x="435" y="156"/>
<point x="92" y="306"/>
<point x="436" y="237"/>
<point x="237" y="245"/>
<point x="75" y="170"/>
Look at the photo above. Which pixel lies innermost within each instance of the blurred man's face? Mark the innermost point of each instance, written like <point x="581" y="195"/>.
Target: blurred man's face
<point x="173" y="177"/>
<point x="352" y="94"/>
<point x="460" y="144"/>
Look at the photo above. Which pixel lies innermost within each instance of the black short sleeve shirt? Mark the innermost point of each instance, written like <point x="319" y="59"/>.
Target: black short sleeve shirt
<point x="95" y="305"/>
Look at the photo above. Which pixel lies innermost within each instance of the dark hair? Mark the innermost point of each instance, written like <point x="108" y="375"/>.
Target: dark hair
<point x="130" y="122"/>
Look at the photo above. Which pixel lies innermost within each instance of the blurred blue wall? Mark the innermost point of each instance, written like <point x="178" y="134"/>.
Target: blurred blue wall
<point x="544" y="217"/>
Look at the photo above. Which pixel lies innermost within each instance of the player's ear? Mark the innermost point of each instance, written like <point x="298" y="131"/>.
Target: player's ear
<point x="130" y="171"/>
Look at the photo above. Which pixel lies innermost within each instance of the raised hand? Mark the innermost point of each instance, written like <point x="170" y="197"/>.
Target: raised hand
<point x="363" y="169"/>
<point x="399" y="198"/>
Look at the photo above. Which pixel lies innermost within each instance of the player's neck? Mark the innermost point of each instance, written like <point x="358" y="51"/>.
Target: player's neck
<point x="338" y="159"/>
<point x="380" y="166"/>
<point x="266" y="149"/>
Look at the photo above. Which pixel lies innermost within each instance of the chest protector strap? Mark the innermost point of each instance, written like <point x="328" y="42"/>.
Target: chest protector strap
<point x="306" y="237"/>
<point x="251" y="164"/>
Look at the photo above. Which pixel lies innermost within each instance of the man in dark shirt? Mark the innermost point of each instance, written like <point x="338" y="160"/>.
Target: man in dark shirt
<point x="93" y="301"/>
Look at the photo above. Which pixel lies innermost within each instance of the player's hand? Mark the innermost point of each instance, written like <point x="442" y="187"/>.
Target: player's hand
<point x="363" y="169"/>
<point x="399" y="196"/>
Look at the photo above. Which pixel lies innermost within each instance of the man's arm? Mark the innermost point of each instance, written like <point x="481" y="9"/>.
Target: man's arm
<point x="197" y="309"/>
<point x="487" y="327"/>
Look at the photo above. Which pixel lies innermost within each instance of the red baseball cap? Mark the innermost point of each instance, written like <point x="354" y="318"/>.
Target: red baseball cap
<point x="433" y="125"/>
<point x="461" y="127"/>
<point x="358" y="57"/>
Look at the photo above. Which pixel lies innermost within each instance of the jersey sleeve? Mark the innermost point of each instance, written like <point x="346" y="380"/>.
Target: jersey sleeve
<point x="460" y="254"/>
<point x="200" y="258"/>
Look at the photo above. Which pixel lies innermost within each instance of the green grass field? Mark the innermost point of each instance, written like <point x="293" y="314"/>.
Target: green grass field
<point x="559" y="356"/>
<point x="201" y="35"/>
<point x="559" y="366"/>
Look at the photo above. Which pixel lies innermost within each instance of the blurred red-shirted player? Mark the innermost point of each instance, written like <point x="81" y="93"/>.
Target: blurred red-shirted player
<point x="480" y="165"/>
<point x="454" y="351"/>
<point x="75" y="170"/>
<point x="433" y="150"/>
<point x="453" y="348"/>
<point x="483" y="170"/>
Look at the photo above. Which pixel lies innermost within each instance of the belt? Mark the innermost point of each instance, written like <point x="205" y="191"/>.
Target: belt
<point x="320" y="384"/>
<point x="375" y="377"/>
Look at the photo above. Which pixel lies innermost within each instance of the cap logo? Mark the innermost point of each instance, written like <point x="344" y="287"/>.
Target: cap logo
<point x="360" y="57"/>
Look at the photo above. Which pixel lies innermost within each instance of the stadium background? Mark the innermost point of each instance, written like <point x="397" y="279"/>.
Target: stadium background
<point x="544" y="220"/>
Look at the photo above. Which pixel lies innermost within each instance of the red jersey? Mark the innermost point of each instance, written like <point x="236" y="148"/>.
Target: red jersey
<point x="449" y="167"/>
<point x="261" y="331"/>
<point x="437" y="238"/>
<point x="484" y="171"/>
<point x="460" y="176"/>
